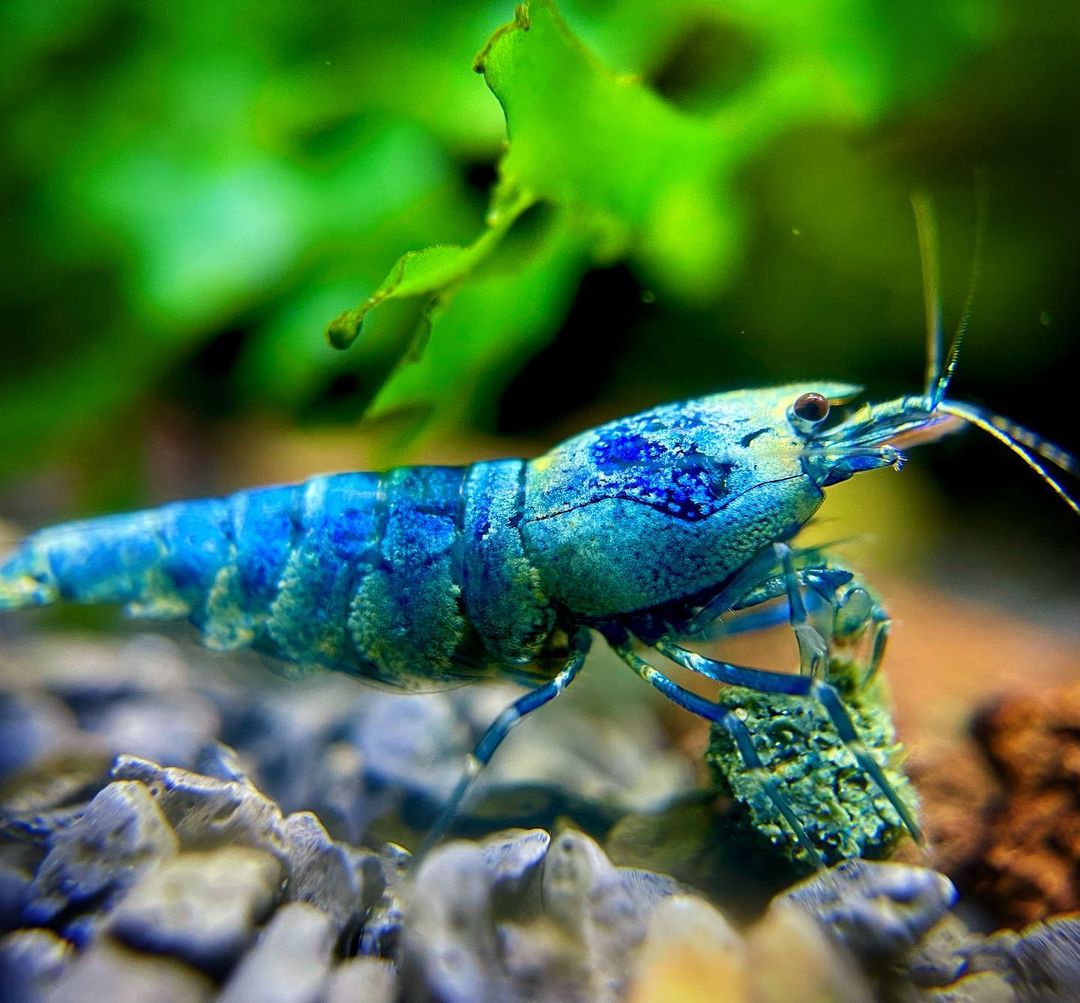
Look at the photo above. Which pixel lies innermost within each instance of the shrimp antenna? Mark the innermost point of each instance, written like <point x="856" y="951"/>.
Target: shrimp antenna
<point x="1031" y="448"/>
<point x="929" y="246"/>
<point x="939" y="376"/>
<point x="1025" y="443"/>
<point x="981" y="202"/>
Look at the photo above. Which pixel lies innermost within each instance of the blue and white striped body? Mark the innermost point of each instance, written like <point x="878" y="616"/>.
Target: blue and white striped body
<point x="413" y="578"/>
<point x="423" y="577"/>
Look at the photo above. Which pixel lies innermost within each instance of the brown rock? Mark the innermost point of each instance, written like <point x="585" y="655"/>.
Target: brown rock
<point x="1031" y="867"/>
<point x="957" y="794"/>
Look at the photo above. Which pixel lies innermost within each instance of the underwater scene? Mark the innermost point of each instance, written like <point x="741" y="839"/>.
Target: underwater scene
<point x="567" y="501"/>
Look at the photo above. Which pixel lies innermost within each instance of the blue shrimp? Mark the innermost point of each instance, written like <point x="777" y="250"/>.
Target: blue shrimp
<point x="647" y="531"/>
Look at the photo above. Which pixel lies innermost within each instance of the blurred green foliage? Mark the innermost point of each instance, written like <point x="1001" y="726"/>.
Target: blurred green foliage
<point x="196" y="190"/>
<point x="627" y="174"/>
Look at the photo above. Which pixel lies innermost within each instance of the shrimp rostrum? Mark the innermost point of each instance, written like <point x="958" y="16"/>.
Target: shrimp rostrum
<point x="646" y="531"/>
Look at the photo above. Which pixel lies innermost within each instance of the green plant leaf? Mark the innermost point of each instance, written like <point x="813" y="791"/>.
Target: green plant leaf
<point x="627" y="174"/>
<point x="584" y="136"/>
<point x="642" y="179"/>
<point x="431" y="270"/>
<point x="482" y="334"/>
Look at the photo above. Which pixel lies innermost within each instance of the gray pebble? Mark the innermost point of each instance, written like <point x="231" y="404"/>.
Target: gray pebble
<point x="298" y="751"/>
<point x="519" y="919"/>
<point x="597" y="906"/>
<point x="207" y="812"/>
<point x="647" y="888"/>
<point x="66" y="779"/>
<point x="1041" y="962"/>
<point x="34" y="726"/>
<point x="121" y="834"/>
<point x="362" y="980"/>
<point x="983" y="987"/>
<point x="514" y="858"/>
<point x="448" y="949"/>
<point x="201" y="907"/>
<point x="290" y="961"/>
<point x="938" y="959"/>
<point x="878" y="910"/>
<point x="338" y="879"/>
<point x="16" y="880"/>
<point x="221" y="761"/>
<point x="790" y="957"/>
<point x="338" y="791"/>
<point x="406" y="741"/>
<point x="84" y="928"/>
<point x="108" y="973"/>
<point x="30" y="960"/>
<point x="167" y="728"/>
<point x="576" y="871"/>
<point x="381" y="929"/>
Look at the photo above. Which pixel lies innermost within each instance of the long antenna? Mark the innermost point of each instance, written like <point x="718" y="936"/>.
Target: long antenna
<point x="981" y="200"/>
<point x="1031" y="448"/>
<point x="1023" y="443"/>
<point x="929" y="256"/>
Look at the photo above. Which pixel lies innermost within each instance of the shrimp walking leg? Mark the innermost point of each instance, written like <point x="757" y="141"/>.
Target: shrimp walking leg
<point x="851" y="612"/>
<point x="759" y="580"/>
<point x="810" y="682"/>
<point x="813" y="656"/>
<point x="718" y="714"/>
<point x="500" y="728"/>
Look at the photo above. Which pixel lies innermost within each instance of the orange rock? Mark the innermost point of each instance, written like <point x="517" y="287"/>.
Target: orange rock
<point x="1031" y="868"/>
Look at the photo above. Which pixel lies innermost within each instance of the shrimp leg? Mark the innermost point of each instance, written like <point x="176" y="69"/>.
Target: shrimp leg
<point x="813" y="651"/>
<point x="622" y="645"/>
<point x="500" y="728"/>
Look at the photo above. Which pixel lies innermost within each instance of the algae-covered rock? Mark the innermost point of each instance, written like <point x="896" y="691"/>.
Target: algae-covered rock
<point x="841" y="808"/>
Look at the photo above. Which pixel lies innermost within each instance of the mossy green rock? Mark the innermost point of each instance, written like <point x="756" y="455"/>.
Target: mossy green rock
<point x="842" y="810"/>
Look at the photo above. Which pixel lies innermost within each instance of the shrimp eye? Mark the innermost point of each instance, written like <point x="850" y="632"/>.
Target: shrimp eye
<point x="812" y="407"/>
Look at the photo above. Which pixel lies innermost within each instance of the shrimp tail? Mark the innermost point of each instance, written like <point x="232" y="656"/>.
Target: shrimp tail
<point x="174" y="562"/>
<point x="25" y="580"/>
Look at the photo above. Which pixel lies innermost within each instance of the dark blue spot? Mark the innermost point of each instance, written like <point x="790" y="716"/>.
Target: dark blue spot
<point x="624" y="450"/>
